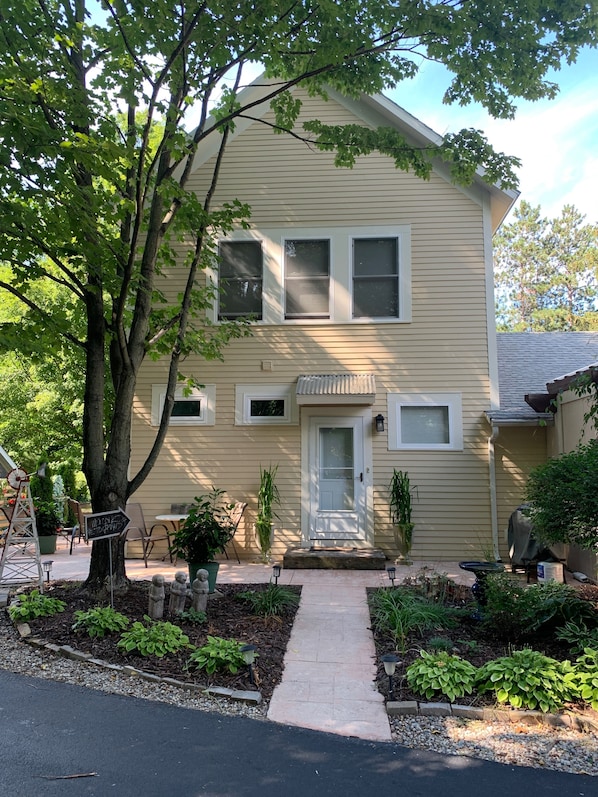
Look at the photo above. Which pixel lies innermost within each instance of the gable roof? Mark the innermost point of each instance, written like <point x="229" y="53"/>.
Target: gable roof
<point x="537" y="363"/>
<point x="376" y="110"/>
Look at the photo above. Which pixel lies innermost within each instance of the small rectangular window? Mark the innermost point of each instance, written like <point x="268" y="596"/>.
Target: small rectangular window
<point x="307" y="278"/>
<point x="240" y="282"/>
<point x="267" y="408"/>
<point x="186" y="409"/>
<point x="375" y="278"/>
<point x="425" y="421"/>
<point x="194" y="407"/>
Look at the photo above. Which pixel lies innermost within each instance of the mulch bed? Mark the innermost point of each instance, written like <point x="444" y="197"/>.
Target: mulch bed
<point x="470" y="641"/>
<point x="227" y="617"/>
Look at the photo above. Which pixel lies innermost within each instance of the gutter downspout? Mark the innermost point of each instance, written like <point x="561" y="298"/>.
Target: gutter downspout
<point x="493" y="501"/>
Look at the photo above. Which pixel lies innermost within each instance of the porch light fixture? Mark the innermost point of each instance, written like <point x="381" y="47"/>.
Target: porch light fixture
<point x="276" y="573"/>
<point x="392" y="574"/>
<point x="390" y="661"/>
<point x="379" y="421"/>
<point x="248" y="653"/>
<point x="47" y="565"/>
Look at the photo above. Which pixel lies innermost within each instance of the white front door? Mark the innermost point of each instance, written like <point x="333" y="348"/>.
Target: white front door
<point x="338" y="476"/>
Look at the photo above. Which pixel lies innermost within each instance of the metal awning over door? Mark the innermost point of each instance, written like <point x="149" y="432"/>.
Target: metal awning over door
<point x="334" y="389"/>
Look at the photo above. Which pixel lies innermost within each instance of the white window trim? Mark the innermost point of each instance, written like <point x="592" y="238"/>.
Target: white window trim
<point x="245" y="394"/>
<point x="341" y="271"/>
<point x="452" y="401"/>
<point x="207" y="395"/>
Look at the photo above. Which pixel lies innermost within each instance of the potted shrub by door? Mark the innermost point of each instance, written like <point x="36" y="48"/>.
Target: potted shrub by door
<point x="203" y="534"/>
<point x="401" y="497"/>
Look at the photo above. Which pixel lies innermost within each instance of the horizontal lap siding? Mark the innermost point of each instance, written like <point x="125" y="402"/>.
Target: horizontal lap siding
<point x="444" y="348"/>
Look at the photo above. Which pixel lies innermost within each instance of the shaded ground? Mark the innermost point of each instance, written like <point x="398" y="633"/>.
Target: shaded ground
<point x="469" y="640"/>
<point x="228" y="617"/>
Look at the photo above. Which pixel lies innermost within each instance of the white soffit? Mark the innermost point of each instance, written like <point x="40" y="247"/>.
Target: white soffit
<point x="331" y="389"/>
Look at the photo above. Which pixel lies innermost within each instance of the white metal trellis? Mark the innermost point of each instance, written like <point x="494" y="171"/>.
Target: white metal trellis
<point x="20" y="562"/>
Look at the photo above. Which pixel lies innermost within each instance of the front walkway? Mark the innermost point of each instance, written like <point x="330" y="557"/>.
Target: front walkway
<point x="328" y="682"/>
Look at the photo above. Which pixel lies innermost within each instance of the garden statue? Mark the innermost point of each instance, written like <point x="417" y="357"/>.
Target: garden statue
<point x="200" y="591"/>
<point x="178" y="593"/>
<point x="156" y="598"/>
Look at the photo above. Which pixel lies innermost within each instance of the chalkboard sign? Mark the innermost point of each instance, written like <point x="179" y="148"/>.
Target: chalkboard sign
<point x="105" y="524"/>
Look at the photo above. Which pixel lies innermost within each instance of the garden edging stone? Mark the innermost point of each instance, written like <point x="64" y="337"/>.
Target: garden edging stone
<point x="398" y="708"/>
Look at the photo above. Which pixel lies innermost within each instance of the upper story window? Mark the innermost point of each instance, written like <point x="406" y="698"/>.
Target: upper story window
<point x="307" y="278"/>
<point x="425" y="421"/>
<point x="376" y="277"/>
<point x="241" y="275"/>
<point x="316" y="275"/>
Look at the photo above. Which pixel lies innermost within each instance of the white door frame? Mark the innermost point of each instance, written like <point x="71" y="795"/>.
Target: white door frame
<point x="337" y="411"/>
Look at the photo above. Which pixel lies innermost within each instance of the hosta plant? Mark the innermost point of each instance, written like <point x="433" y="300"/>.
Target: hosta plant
<point x="217" y="654"/>
<point x="100" y="621"/>
<point x="440" y="673"/>
<point x="578" y="635"/>
<point x="155" y="638"/>
<point x="528" y="679"/>
<point x="29" y="606"/>
<point x="586" y="671"/>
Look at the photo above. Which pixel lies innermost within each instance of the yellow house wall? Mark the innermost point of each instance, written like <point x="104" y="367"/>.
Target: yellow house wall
<point x="444" y="348"/>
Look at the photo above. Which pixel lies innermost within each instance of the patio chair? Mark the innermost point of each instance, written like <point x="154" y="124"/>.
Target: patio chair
<point x="232" y="521"/>
<point x="78" y="530"/>
<point x="138" y="530"/>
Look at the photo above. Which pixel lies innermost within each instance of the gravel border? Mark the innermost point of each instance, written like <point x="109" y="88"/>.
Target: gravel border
<point x="524" y="740"/>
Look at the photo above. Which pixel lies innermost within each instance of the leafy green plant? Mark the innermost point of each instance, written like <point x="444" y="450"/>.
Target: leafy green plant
<point x="586" y="676"/>
<point x="206" y="529"/>
<point x="438" y="643"/>
<point x="273" y="600"/>
<point x="528" y="679"/>
<point x="514" y="610"/>
<point x="400" y="613"/>
<point x="217" y="654"/>
<point x="437" y="587"/>
<point x="267" y="498"/>
<point x="194" y="617"/>
<point x="29" y="606"/>
<point x="400" y="494"/>
<point x="100" y="621"/>
<point x="563" y="497"/>
<point x="156" y="638"/>
<point x="443" y="674"/>
<point x="578" y="635"/>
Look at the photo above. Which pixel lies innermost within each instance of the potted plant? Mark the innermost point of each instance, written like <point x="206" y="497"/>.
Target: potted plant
<point x="46" y="516"/>
<point x="203" y="534"/>
<point x="401" y="498"/>
<point x="267" y="497"/>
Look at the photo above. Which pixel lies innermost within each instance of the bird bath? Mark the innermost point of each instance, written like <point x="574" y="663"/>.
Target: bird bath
<point x="480" y="571"/>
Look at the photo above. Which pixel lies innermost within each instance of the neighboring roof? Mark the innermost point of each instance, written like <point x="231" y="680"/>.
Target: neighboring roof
<point x="376" y="110"/>
<point x="336" y="389"/>
<point x="6" y="463"/>
<point x="530" y="362"/>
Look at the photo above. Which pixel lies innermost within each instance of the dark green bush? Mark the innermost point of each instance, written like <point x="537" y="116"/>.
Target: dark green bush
<point x="271" y="601"/>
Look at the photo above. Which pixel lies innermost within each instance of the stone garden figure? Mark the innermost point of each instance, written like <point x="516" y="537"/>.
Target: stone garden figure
<point x="178" y="593"/>
<point x="200" y="591"/>
<point x="156" y="598"/>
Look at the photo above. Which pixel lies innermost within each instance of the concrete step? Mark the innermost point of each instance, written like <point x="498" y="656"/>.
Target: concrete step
<point x="321" y="558"/>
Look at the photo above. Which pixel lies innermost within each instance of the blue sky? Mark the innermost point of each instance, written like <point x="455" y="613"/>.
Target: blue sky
<point x="556" y="140"/>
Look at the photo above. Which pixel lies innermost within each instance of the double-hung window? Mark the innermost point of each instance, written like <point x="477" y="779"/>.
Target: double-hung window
<point x="241" y="276"/>
<point x="307" y="278"/>
<point x="376" y="277"/>
<point x="425" y="421"/>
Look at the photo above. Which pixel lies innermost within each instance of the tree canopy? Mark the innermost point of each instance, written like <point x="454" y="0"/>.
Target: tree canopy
<point x="546" y="272"/>
<point x="94" y="98"/>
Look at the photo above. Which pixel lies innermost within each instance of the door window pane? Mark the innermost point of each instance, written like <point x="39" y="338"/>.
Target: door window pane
<point x="336" y="483"/>
<point x="307" y="278"/>
<point x="240" y="279"/>
<point x="420" y="425"/>
<point x="375" y="278"/>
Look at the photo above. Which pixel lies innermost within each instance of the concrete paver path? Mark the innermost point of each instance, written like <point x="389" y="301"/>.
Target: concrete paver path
<point x="328" y="682"/>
